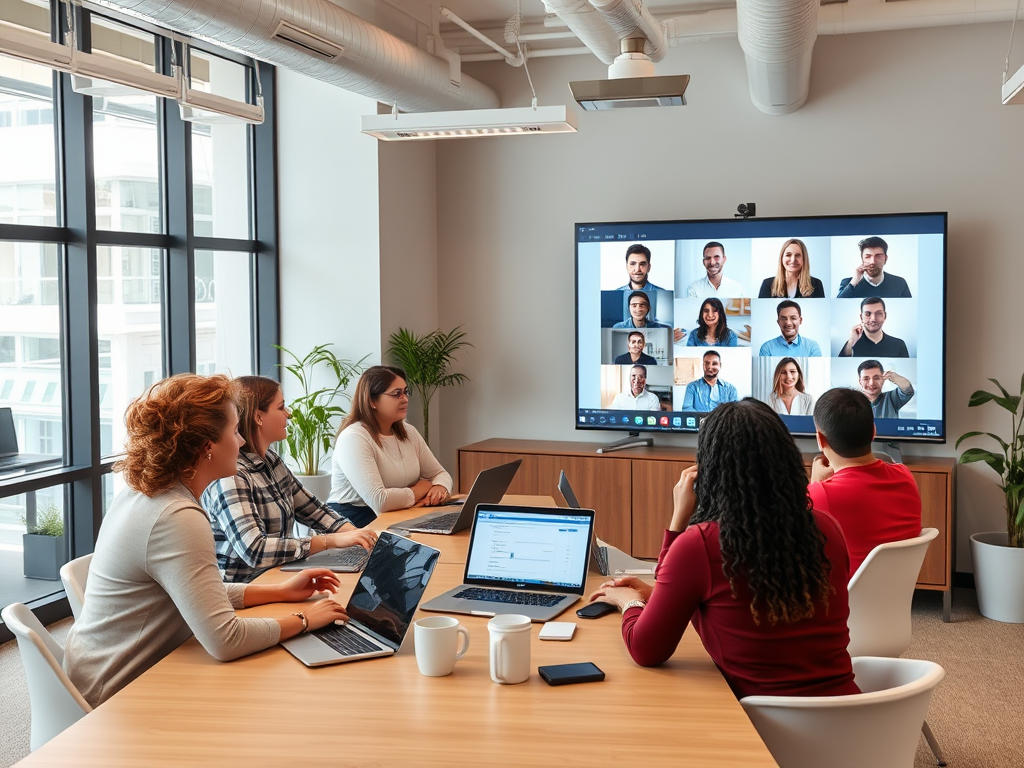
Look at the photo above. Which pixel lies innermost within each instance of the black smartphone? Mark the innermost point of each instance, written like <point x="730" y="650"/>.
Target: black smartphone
<point x="595" y="610"/>
<point x="564" y="674"/>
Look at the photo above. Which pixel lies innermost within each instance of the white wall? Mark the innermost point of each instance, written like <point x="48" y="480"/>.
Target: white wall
<point x="897" y="121"/>
<point x="329" y="221"/>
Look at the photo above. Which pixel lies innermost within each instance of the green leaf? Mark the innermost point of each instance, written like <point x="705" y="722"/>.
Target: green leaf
<point x="997" y="438"/>
<point x="1001" y="387"/>
<point x="994" y="460"/>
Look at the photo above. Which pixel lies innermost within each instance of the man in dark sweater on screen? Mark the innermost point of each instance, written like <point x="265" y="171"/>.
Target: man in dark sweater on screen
<point x="874" y="502"/>
<point x="870" y="277"/>
<point x="867" y="339"/>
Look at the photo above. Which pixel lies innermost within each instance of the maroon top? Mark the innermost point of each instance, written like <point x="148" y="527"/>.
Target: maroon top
<point x="874" y="504"/>
<point x="805" y="658"/>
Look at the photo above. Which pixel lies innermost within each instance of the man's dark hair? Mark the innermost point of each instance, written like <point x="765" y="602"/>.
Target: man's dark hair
<point x="711" y="352"/>
<point x="637" y="248"/>
<point x="874" y="242"/>
<point x="713" y="244"/>
<point x="845" y="418"/>
<point x="786" y="305"/>
<point x="872" y="300"/>
<point x="641" y="367"/>
<point x="631" y="334"/>
<point x="867" y="365"/>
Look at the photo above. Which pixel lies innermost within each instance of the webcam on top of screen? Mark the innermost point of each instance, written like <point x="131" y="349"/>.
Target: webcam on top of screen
<point x="745" y="210"/>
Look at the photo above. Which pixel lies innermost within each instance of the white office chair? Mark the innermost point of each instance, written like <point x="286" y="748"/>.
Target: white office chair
<point x="879" y="727"/>
<point x="54" y="700"/>
<point x="74" y="576"/>
<point x="881" y="592"/>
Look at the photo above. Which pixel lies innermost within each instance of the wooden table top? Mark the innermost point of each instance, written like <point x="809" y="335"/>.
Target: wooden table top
<point x="268" y="709"/>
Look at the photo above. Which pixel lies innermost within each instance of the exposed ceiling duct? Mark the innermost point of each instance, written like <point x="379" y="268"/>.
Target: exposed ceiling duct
<point x="323" y="41"/>
<point x="631" y="19"/>
<point x="777" y="37"/>
<point x="588" y="25"/>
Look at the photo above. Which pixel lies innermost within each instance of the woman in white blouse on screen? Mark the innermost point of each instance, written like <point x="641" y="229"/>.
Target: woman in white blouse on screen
<point x="788" y="397"/>
<point x="380" y="463"/>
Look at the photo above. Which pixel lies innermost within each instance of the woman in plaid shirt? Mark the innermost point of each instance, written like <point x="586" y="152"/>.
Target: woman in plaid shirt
<point x="254" y="512"/>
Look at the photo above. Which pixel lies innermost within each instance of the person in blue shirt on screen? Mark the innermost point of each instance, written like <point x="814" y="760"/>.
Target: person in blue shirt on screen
<point x="638" y="266"/>
<point x="790" y="343"/>
<point x="639" y="313"/>
<point x="636" y="353"/>
<point x="885" y="405"/>
<point x="712" y="328"/>
<point x="707" y="393"/>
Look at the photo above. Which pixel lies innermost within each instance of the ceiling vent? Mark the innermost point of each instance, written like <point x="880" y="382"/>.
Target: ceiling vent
<point x="307" y="42"/>
<point x="631" y="83"/>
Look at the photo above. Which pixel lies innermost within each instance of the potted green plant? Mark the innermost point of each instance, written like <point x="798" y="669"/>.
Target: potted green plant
<point x="999" y="556"/>
<point x="43" y="545"/>
<point x="315" y="412"/>
<point x="427" y="361"/>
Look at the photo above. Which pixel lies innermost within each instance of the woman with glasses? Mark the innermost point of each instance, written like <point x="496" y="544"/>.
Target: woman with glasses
<point x="380" y="463"/>
<point x="253" y="512"/>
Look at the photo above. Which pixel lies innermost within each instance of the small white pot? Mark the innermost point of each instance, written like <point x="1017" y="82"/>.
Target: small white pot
<point x="318" y="485"/>
<point x="998" y="577"/>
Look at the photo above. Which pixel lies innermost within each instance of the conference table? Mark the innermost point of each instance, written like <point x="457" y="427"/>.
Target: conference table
<point x="269" y="710"/>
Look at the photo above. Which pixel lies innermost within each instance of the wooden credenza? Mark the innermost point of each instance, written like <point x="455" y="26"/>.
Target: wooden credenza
<point x="631" y="492"/>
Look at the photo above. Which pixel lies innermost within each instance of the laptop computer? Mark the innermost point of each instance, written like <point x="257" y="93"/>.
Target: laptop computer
<point x="340" y="560"/>
<point x="380" y="610"/>
<point x="526" y="560"/>
<point x="490" y="485"/>
<point x="598" y="553"/>
<point x="10" y="457"/>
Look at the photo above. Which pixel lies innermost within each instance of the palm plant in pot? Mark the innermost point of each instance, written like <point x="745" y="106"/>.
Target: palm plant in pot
<point x="427" y="360"/>
<point x="999" y="557"/>
<point x="316" y="411"/>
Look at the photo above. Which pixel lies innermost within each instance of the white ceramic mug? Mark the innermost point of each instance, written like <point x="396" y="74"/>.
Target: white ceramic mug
<point x="437" y="644"/>
<point x="510" y="648"/>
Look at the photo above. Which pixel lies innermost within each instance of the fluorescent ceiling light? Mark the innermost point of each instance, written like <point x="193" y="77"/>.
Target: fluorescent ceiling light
<point x="96" y="75"/>
<point x="1013" y="89"/>
<point x="208" y="109"/>
<point x="470" y="122"/>
<point x="629" y="92"/>
<point x="29" y="45"/>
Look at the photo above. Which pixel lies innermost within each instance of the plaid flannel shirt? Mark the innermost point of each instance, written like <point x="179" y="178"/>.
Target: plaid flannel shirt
<point x="253" y="514"/>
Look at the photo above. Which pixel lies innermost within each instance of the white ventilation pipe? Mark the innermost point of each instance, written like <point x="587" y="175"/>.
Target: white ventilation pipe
<point x="777" y="37"/>
<point x="588" y="25"/>
<point x="631" y="19"/>
<point x="372" y="62"/>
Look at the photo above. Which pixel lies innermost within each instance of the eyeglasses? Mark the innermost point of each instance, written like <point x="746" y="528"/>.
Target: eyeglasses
<point x="399" y="392"/>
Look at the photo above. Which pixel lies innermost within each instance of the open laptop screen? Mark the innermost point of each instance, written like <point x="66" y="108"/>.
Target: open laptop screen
<point x="530" y="547"/>
<point x="391" y="586"/>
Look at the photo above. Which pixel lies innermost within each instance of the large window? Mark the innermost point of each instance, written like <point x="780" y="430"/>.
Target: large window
<point x="133" y="245"/>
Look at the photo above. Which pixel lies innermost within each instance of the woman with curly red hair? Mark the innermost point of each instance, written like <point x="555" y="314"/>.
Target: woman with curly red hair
<point x="153" y="581"/>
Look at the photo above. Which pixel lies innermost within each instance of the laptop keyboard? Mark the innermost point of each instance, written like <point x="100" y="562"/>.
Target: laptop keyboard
<point x="349" y="557"/>
<point x="345" y="641"/>
<point x="508" y="596"/>
<point x="442" y="523"/>
<point x="8" y="461"/>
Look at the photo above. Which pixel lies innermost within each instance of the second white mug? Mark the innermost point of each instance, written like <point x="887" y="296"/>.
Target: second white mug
<point x="510" y="648"/>
<point x="437" y="644"/>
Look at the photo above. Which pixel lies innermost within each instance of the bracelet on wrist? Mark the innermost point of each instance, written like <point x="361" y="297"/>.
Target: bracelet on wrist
<point x="634" y="604"/>
<point x="305" y="622"/>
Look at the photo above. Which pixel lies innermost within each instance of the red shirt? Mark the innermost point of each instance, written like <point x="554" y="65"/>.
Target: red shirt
<point x="874" y="504"/>
<point x="805" y="658"/>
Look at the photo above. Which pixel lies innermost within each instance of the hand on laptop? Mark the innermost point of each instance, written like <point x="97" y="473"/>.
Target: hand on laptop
<point x="324" y="612"/>
<point x="306" y="583"/>
<point x="360" y="537"/>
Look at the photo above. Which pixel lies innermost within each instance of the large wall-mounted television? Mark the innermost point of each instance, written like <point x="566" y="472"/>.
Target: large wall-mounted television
<point x="675" y="317"/>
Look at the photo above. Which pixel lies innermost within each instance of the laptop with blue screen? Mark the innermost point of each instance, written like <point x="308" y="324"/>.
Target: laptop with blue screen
<point x="526" y="560"/>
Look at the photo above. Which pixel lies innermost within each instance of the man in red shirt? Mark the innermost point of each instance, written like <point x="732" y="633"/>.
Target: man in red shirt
<point x="873" y="501"/>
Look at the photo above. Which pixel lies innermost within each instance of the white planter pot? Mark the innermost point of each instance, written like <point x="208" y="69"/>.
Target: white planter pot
<point x="318" y="485"/>
<point x="998" y="577"/>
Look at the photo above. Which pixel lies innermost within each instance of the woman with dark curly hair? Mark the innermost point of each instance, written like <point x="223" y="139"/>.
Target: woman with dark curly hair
<point x="153" y="581"/>
<point x="712" y="327"/>
<point x="761" y="575"/>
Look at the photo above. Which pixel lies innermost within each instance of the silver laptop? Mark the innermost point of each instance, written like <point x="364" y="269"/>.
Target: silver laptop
<point x="340" y="560"/>
<point x="526" y="560"/>
<point x="380" y="610"/>
<point x="598" y="554"/>
<point x="10" y="457"/>
<point x="490" y="485"/>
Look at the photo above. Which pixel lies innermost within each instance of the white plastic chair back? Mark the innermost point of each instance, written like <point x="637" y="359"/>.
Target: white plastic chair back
<point x="74" y="576"/>
<point x="879" y="727"/>
<point x="54" y="700"/>
<point x="881" y="592"/>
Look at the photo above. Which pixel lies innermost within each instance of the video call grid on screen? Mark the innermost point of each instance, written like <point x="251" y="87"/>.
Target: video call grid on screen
<point x="907" y="387"/>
